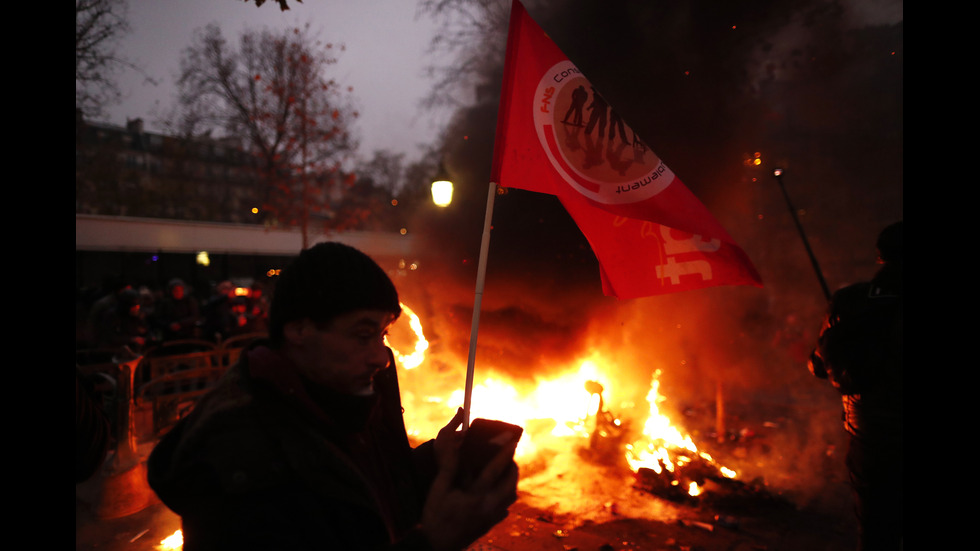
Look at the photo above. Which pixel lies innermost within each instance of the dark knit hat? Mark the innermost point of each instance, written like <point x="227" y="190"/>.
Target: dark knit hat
<point x="890" y="243"/>
<point x="328" y="280"/>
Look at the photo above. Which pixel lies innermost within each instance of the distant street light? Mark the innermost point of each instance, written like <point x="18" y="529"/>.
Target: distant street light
<point x="442" y="188"/>
<point x="442" y="193"/>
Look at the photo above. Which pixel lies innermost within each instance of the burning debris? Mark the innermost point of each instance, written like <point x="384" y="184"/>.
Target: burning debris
<point x="173" y="541"/>
<point x="584" y="432"/>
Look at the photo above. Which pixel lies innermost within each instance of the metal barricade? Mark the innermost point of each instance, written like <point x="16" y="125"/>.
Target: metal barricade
<point x="175" y="384"/>
<point x="120" y="488"/>
<point x="163" y="385"/>
<point x="233" y="346"/>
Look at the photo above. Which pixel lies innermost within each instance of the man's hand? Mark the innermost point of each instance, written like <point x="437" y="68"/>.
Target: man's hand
<point x="453" y="517"/>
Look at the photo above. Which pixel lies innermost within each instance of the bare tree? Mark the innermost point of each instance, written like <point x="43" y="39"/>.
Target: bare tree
<point x="283" y="4"/>
<point x="99" y="24"/>
<point x="473" y="35"/>
<point x="384" y="170"/>
<point x="273" y="93"/>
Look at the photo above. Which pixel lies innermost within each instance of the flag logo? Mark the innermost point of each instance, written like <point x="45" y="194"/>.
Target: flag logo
<point x="589" y="144"/>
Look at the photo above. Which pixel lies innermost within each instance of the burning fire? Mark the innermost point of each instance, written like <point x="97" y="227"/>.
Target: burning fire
<point x="653" y="451"/>
<point x="173" y="541"/>
<point x="569" y="411"/>
<point x="411" y="361"/>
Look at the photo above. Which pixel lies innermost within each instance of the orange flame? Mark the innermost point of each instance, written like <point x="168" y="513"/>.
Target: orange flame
<point x="173" y="541"/>
<point x="659" y="437"/>
<point x="561" y="415"/>
<point x="414" y="359"/>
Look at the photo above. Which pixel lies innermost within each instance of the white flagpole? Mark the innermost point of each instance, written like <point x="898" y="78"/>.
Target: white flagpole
<point x="481" y="274"/>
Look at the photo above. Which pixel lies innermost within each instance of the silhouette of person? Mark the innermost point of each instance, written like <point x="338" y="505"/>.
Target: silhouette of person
<point x="599" y="109"/>
<point x="123" y="324"/>
<point x="860" y="352"/>
<point x="93" y="431"/>
<point x="617" y="161"/>
<point x="219" y="319"/>
<point x="593" y="151"/>
<point x="579" y="97"/>
<point x="639" y="149"/>
<point x="179" y="312"/>
<point x="571" y="138"/>
<point x="616" y="122"/>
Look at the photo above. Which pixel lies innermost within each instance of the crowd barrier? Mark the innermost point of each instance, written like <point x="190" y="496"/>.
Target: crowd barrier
<point x="145" y="395"/>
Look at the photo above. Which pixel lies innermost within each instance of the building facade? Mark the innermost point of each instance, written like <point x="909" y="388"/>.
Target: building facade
<point x="127" y="171"/>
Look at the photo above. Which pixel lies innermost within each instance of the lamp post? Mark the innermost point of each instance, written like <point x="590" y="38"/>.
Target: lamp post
<point x="442" y="188"/>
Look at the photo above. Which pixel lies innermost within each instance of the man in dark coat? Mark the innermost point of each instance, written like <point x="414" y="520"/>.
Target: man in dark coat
<point x="860" y="352"/>
<point x="179" y="313"/>
<point x="302" y="444"/>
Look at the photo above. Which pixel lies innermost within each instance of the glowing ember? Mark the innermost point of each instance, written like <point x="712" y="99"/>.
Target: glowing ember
<point x="173" y="541"/>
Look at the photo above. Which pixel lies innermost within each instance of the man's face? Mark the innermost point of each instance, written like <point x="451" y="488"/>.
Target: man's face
<point x="345" y="354"/>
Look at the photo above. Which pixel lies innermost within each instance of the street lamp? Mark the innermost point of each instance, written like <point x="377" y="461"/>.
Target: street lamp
<point x="442" y="188"/>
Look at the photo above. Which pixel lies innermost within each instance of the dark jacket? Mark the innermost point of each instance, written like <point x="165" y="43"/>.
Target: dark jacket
<point x="860" y="351"/>
<point x="266" y="461"/>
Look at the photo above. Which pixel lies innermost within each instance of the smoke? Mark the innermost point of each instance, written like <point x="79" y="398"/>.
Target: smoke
<point x="814" y="87"/>
<point x="873" y="13"/>
<point x="703" y="346"/>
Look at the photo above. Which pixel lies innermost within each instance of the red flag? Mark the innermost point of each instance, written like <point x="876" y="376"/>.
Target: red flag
<point x="556" y="135"/>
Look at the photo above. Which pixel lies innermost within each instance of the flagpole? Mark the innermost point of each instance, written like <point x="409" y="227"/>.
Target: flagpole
<point x="778" y="173"/>
<point x="481" y="274"/>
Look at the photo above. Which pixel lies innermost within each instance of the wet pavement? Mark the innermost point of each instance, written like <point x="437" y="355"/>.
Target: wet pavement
<point x="605" y="509"/>
<point x="821" y="526"/>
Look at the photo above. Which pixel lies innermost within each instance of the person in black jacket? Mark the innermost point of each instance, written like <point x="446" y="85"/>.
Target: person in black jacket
<point x="302" y="444"/>
<point x="179" y="313"/>
<point x="93" y="432"/>
<point x="860" y="352"/>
